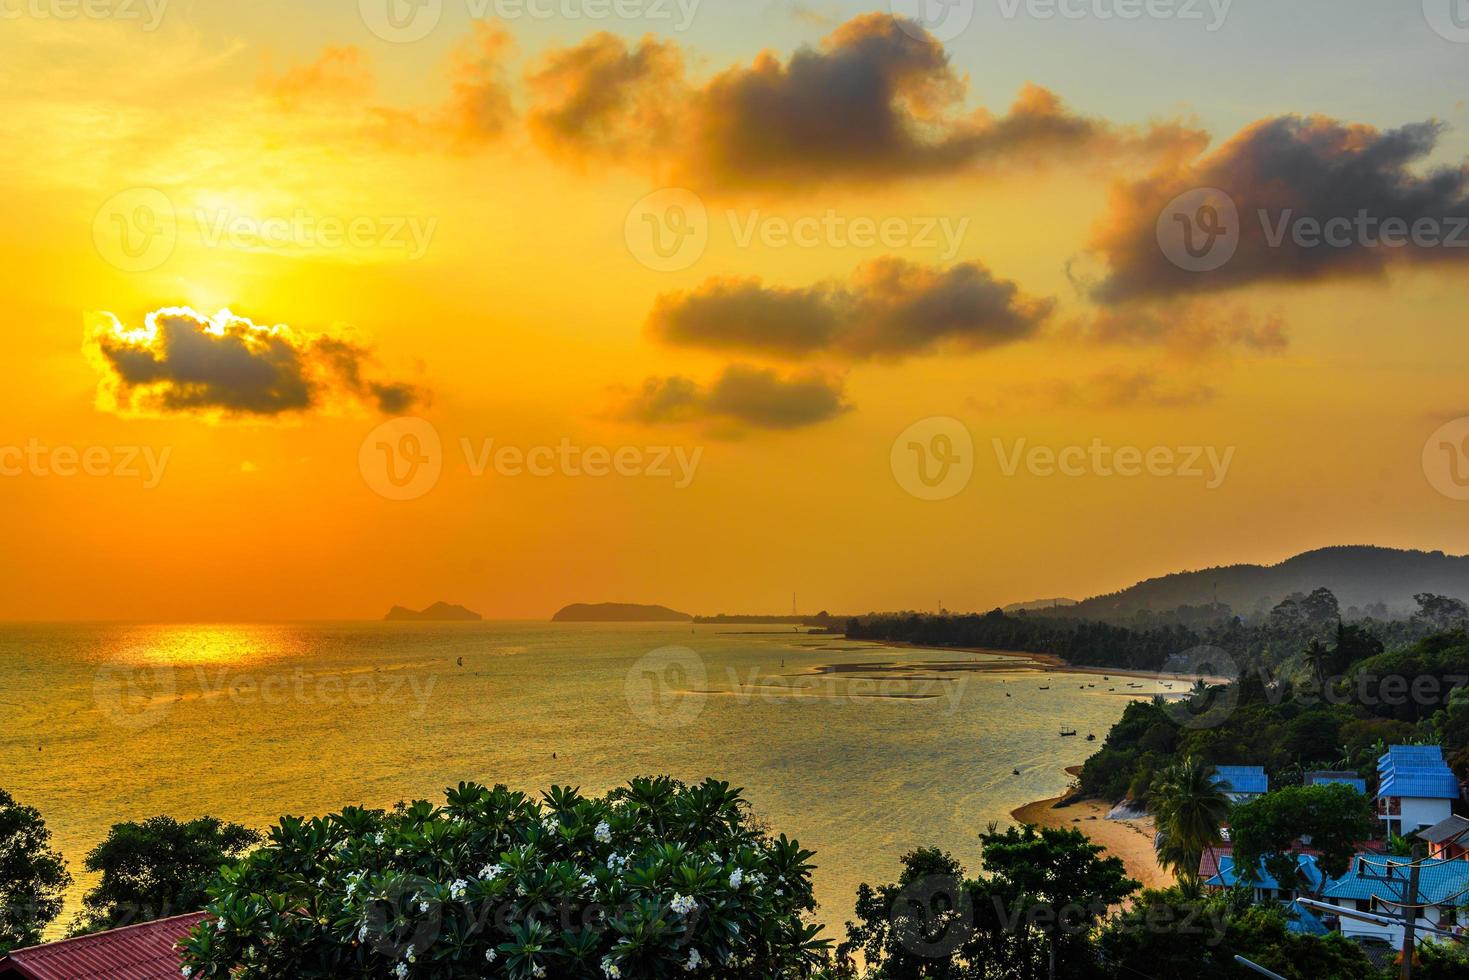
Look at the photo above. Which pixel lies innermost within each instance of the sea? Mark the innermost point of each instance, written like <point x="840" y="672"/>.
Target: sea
<point x="861" y="752"/>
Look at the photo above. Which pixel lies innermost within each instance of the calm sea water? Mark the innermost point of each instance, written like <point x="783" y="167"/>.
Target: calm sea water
<point x="113" y="722"/>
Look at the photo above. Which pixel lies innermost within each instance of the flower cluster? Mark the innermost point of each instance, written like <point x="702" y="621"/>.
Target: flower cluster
<point x="657" y="879"/>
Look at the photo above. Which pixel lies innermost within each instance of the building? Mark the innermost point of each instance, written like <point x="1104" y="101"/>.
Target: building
<point x="1242" y="783"/>
<point x="1308" y="881"/>
<point x="1448" y="840"/>
<point x="1441" y="889"/>
<point x="147" y="951"/>
<point x="1324" y="778"/>
<point x="1415" y="788"/>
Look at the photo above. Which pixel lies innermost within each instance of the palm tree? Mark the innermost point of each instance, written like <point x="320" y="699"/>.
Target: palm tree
<point x="1319" y="658"/>
<point x="1189" y="808"/>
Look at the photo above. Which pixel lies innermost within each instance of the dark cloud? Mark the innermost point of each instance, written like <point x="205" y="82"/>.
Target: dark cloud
<point x="888" y="308"/>
<point x="877" y="100"/>
<point x="225" y="366"/>
<point x="1289" y="168"/>
<point x="605" y="98"/>
<point x="743" y="395"/>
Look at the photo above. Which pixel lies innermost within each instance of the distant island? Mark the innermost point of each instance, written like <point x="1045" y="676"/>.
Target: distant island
<point x="439" y="612"/>
<point x="618" y="612"/>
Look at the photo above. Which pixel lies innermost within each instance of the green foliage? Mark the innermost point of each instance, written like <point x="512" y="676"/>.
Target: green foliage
<point x="653" y="880"/>
<point x="1172" y="935"/>
<point x="1334" y="817"/>
<point x="33" y="876"/>
<point x="157" y="868"/>
<point x="1441" y="961"/>
<point x="1413" y="683"/>
<point x="1045" y="893"/>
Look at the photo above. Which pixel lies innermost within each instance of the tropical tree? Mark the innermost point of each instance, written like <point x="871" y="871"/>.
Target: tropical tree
<point x="657" y="879"/>
<point x="33" y="876"/>
<point x="157" y="868"/>
<point x="1334" y="818"/>
<point x="1189" y="808"/>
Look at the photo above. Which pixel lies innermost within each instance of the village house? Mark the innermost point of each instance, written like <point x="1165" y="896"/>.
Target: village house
<point x="1415" y="788"/>
<point x="1242" y="783"/>
<point x="147" y="951"/>
<point x="1442" y="887"/>
<point x="1448" y="840"/>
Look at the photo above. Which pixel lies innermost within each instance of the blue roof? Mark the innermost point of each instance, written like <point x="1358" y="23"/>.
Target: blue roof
<point x="1242" y="779"/>
<point x="1410" y="755"/>
<point x="1416" y="770"/>
<point x="1300" y="919"/>
<point x="1438" y="881"/>
<point x="1305" y="864"/>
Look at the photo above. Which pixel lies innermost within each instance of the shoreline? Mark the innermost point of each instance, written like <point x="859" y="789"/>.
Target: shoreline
<point x="1129" y="840"/>
<point x="1046" y="663"/>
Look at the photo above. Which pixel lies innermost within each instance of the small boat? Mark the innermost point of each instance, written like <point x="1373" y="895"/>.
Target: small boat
<point x="1091" y="738"/>
<point x="1066" y="734"/>
<point x="1046" y="688"/>
<point x="1015" y="772"/>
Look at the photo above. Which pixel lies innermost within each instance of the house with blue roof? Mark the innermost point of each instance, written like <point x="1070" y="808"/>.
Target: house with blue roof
<point x="1309" y="880"/>
<point x="1415" y="788"/>
<point x="1443" y="886"/>
<point x="1241" y="783"/>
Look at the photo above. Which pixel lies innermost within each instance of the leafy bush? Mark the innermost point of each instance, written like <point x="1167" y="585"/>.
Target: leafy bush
<point x="658" y="879"/>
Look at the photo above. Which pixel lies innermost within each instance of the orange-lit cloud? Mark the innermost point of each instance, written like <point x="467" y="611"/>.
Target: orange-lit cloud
<point x="1276" y="172"/>
<point x="340" y="73"/>
<point x="181" y="362"/>
<point x="889" y="308"/>
<point x="742" y="395"/>
<point x="877" y="100"/>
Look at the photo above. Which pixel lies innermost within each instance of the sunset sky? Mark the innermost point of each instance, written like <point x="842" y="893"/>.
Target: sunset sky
<point x="900" y="224"/>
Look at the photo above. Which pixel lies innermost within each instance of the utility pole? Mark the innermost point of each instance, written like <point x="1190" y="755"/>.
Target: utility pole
<point x="1410" y="914"/>
<point x="1394" y="875"/>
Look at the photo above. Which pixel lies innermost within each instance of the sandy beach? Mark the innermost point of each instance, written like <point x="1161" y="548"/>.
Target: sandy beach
<point x="1130" y="840"/>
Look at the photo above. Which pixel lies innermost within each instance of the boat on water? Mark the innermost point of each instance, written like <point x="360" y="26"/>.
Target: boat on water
<point x="1091" y="738"/>
<point x="1046" y="688"/>
<point x="1066" y="734"/>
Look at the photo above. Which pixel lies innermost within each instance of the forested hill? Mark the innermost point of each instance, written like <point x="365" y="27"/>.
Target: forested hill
<point x="1277" y="643"/>
<point x="1367" y="581"/>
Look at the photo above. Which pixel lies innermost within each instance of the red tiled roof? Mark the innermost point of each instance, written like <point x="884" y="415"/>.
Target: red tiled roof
<point x="1209" y="860"/>
<point x="146" y="951"/>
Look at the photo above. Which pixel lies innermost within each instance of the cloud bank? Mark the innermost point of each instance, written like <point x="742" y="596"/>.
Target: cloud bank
<point x="181" y="362"/>
<point x="888" y="308"/>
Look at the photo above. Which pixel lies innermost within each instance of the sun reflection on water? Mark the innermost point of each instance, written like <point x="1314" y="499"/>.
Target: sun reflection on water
<point x="182" y="646"/>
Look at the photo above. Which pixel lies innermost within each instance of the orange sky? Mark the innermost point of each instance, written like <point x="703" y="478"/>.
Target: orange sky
<point x="457" y="229"/>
